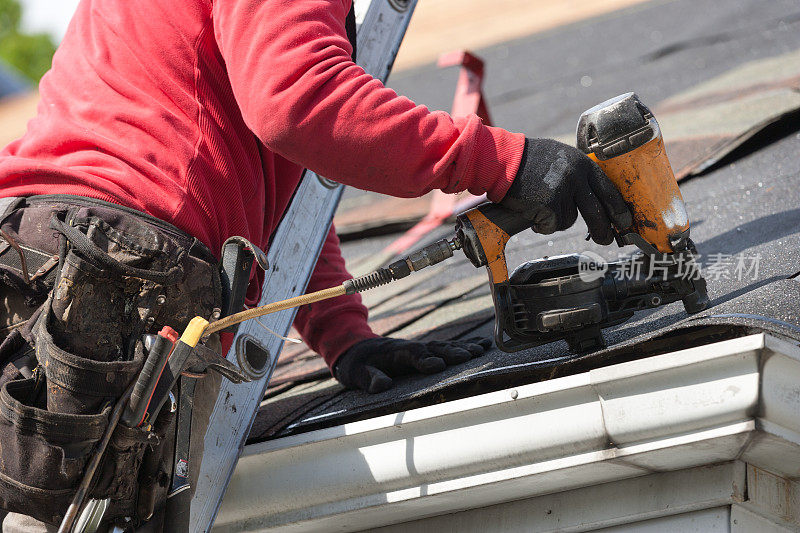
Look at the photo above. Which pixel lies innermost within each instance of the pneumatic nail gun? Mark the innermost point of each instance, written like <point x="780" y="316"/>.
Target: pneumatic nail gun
<point x="574" y="297"/>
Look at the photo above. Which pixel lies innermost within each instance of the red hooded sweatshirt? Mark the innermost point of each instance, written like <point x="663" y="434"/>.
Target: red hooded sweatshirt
<point x="203" y="113"/>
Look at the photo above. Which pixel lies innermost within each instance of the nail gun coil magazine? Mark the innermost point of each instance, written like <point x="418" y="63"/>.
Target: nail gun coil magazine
<point x="574" y="297"/>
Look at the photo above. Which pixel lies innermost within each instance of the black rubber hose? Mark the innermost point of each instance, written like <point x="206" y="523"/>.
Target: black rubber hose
<point x="380" y="277"/>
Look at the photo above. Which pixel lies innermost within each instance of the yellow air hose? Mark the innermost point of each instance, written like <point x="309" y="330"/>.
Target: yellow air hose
<point x="430" y="255"/>
<point x="297" y="301"/>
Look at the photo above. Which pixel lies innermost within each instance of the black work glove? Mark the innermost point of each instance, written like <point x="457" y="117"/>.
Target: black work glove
<point x="555" y="181"/>
<point x="372" y="363"/>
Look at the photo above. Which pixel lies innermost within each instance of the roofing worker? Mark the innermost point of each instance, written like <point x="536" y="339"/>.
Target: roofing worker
<point x="163" y="129"/>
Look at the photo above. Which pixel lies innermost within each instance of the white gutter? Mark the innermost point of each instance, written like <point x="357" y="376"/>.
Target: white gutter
<point x="729" y="400"/>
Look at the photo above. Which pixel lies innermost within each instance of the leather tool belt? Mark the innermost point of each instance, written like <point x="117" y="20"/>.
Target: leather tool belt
<point x="82" y="282"/>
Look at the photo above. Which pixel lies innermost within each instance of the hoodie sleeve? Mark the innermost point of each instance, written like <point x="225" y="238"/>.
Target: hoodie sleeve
<point x="289" y="64"/>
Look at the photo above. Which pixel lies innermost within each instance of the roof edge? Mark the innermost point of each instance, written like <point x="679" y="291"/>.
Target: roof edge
<point x="696" y="406"/>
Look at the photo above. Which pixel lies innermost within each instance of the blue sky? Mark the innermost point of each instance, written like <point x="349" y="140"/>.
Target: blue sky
<point x="51" y="16"/>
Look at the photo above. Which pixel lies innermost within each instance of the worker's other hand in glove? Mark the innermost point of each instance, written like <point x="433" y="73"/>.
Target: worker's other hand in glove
<point x="555" y="181"/>
<point x="372" y="363"/>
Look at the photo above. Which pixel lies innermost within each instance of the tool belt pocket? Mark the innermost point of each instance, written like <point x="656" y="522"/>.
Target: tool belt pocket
<point x="43" y="453"/>
<point x="108" y="291"/>
<point x="77" y="384"/>
<point x="110" y="284"/>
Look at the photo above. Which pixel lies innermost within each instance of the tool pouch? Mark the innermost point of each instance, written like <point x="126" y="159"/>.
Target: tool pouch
<point x="43" y="454"/>
<point x="51" y="423"/>
<point x="77" y="384"/>
<point x="99" y="308"/>
<point x="120" y="275"/>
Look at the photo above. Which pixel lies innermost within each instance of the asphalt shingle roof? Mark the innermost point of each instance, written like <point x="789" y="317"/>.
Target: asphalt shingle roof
<point x="717" y="76"/>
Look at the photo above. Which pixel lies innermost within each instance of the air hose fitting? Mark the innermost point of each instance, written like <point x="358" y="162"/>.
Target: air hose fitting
<point x="382" y="276"/>
<point x="425" y="257"/>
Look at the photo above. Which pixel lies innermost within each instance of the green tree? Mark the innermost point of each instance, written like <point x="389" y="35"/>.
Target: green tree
<point x="31" y="54"/>
<point x="10" y="15"/>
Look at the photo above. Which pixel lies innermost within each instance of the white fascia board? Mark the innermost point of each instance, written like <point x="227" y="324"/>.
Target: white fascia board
<point x="687" y="408"/>
<point x="633" y="502"/>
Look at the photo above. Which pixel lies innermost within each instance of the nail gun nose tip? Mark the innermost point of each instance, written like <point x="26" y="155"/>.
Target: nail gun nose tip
<point x="696" y="302"/>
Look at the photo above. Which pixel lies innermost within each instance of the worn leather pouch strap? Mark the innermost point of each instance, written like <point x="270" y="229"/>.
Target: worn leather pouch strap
<point x="235" y="266"/>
